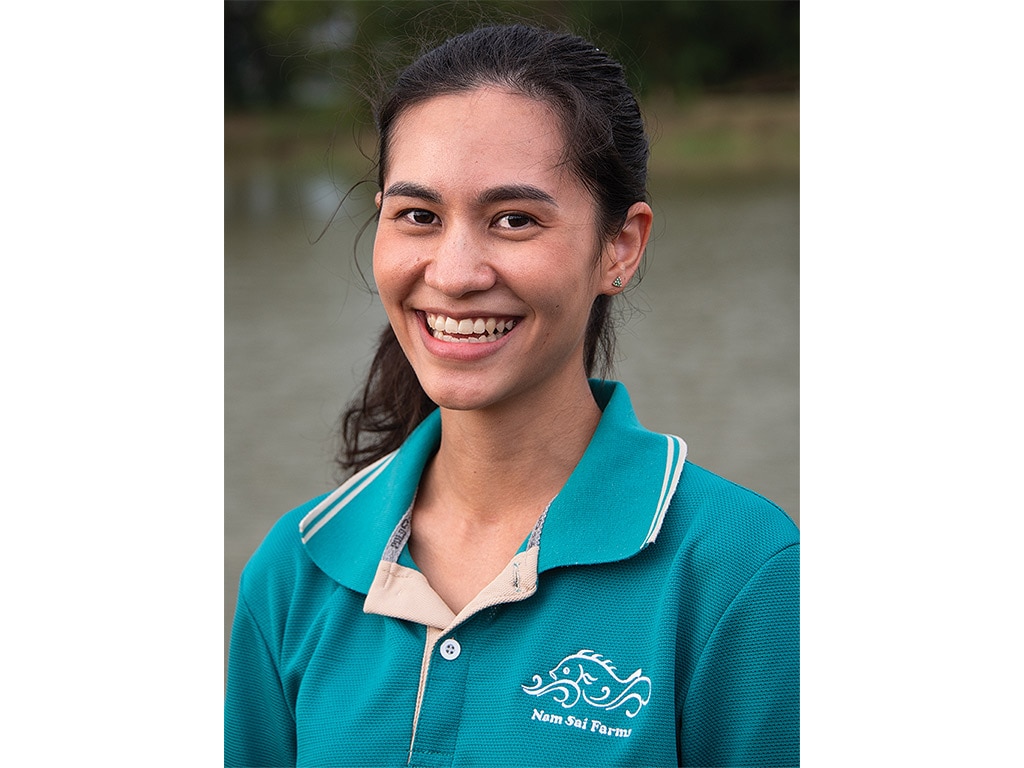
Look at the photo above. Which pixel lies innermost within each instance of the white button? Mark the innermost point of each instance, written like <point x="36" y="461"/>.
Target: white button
<point x="451" y="649"/>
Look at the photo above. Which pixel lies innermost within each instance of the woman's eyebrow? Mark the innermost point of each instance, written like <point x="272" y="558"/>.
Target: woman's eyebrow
<point x="410" y="189"/>
<point x="509" y="192"/>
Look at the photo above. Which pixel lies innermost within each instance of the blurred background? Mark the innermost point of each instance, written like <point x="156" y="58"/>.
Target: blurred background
<point x="709" y="346"/>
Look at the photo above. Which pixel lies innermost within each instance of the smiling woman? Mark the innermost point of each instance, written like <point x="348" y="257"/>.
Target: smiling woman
<point x="505" y="509"/>
<point x="513" y="238"/>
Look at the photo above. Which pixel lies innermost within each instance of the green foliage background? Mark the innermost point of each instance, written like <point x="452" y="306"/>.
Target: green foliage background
<point x="669" y="46"/>
<point x="719" y="77"/>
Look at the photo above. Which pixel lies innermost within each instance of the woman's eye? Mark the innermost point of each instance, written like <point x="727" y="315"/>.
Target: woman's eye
<point x="514" y="221"/>
<point x="417" y="216"/>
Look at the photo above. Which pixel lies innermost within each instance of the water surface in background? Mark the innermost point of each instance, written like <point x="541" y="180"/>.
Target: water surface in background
<point x="710" y="354"/>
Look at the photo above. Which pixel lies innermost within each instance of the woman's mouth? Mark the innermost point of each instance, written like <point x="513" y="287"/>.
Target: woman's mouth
<point x="470" y="330"/>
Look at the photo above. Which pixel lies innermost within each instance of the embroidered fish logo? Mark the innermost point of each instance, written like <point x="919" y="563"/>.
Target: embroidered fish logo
<point x="587" y="675"/>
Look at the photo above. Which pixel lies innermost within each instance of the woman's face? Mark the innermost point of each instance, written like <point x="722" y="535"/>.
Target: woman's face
<point x="486" y="257"/>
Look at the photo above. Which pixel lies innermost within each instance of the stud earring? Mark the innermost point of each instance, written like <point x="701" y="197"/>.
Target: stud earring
<point x="617" y="282"/>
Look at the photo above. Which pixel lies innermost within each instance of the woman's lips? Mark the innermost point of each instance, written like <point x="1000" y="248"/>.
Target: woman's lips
<point x="468" y="330"/>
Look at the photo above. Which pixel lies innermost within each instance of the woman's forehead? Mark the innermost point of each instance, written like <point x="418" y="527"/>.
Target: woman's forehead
<point x="481" y="132"/>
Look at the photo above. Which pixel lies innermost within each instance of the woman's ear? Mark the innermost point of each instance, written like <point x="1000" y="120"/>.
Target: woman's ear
<point x="624" y="251"/>
<point x="377" y="200"/>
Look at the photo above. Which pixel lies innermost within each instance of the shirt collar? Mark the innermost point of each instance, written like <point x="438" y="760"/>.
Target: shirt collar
<point x="611" y="507"/>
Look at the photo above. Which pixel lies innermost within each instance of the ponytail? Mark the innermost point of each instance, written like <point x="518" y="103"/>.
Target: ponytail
<point x="391" y="406"/>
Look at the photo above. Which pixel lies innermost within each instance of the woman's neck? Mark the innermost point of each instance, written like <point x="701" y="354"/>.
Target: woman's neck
<point x="496" y="462"/>
<point x="493" y="475"/>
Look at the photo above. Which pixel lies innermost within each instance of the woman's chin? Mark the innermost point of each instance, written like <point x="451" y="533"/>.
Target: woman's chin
<point x="454" y="396"/>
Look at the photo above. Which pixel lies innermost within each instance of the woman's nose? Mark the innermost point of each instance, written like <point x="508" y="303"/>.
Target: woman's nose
<point x="458" y="264"/>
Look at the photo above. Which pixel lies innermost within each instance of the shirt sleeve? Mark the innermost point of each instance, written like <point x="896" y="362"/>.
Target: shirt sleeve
<point x="259" y="727"/>
<point x="743" y="704"/>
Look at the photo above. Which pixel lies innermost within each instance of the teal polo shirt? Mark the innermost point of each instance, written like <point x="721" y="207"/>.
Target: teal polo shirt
<point x="650" y="618"/>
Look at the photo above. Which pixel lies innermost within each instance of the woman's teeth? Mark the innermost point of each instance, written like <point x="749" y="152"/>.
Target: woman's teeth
<point x="472" y="330"/>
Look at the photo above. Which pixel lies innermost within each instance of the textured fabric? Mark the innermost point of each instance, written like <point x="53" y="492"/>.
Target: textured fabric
<point x="651" y="624"/>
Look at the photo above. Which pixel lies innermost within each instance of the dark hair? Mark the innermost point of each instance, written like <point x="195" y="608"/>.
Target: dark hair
<point x="605" y="146"/>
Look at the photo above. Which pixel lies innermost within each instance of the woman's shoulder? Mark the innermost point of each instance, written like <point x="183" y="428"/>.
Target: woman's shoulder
<point x="702" y="491"/>
<point x="280" y="563"/>
<point x="725" y="526"/>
